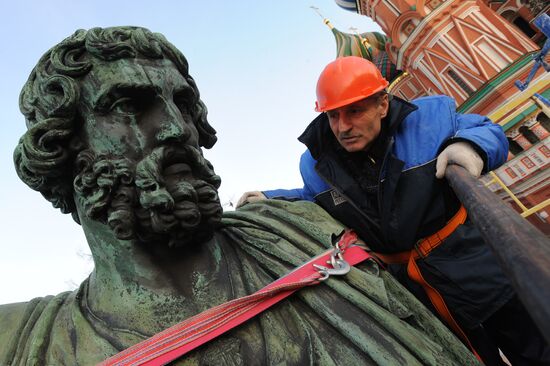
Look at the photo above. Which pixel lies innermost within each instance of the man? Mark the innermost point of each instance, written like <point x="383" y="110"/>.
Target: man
<point x="115" y="130"/>
<point x="375" y="163"/>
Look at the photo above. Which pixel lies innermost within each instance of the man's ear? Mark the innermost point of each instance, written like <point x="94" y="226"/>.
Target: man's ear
<point x="384" y="105"/>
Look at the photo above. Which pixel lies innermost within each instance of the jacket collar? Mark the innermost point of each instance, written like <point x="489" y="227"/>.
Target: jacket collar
<point x="319" y="138"/>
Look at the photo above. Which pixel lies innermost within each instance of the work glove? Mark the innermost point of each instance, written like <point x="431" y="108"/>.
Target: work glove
<point x="249" y="197"/>
<point x="460" y="153"/>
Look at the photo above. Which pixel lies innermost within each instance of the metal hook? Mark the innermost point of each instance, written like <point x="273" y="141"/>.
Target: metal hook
<point x="339" y="265"/>
<point x="341" y="268"/>
<point x="335" y="257"/>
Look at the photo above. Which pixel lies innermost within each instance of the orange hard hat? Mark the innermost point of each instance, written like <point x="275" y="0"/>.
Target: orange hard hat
<point x="347" y="80"/>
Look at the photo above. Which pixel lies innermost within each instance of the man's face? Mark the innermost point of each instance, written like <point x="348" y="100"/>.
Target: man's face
<point x="358" y="124"/>
<point x="142" y="171"/>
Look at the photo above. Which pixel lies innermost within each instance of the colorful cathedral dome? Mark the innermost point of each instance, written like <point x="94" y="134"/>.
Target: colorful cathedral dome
<point x="369" y="45"/>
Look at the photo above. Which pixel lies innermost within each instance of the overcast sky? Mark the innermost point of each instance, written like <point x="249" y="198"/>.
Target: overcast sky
<point x="255" y="62"/>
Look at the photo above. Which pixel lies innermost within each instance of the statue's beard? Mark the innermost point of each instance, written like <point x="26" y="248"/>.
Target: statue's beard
<point x="170" y="196"/>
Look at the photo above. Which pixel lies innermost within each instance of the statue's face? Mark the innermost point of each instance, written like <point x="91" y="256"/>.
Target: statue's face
<point x="131" y="106"/>
<point x="142" y="171"/>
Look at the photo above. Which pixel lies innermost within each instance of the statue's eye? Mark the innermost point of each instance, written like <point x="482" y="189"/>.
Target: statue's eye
<point x="126" y="105"/>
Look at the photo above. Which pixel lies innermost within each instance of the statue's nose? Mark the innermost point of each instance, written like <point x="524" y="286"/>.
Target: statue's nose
<point x="172" y="126"/>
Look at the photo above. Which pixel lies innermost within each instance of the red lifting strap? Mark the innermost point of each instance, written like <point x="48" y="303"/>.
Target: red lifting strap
<point x="184" y="337"/>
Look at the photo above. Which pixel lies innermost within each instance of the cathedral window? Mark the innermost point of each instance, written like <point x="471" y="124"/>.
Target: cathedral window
<point x="457" y="79"/>
<point x="432" y="4"/>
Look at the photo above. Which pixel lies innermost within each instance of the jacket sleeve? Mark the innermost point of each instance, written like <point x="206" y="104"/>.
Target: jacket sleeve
<point x="313" y="184"/>
<point x="487" y="138"/>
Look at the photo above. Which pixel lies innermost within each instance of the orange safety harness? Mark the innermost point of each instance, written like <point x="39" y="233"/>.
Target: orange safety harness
<point x="421" y="250"/>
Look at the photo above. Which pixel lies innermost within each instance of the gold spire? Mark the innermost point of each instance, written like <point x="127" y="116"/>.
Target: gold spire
<point x="364" y="41"/>
<point x="325" y="20"/>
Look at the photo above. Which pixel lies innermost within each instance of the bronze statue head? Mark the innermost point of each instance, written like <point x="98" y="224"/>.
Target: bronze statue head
<point x="115" y="129"/>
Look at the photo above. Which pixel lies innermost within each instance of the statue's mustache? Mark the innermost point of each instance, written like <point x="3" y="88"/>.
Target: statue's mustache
<point x="169" y="160"/>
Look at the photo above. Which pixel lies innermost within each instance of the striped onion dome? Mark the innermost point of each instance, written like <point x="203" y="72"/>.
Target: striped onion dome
<point x="369" y="45"/>
<point x="350" y="5"/>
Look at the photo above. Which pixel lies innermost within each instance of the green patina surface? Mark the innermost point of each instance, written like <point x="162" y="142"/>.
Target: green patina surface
<point x="115" y="130"/>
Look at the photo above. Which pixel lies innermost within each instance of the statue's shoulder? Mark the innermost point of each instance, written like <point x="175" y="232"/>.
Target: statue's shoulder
<point x="11" y="317"/>
<point x="17" y="322"/>
<point x="13" y="320"/>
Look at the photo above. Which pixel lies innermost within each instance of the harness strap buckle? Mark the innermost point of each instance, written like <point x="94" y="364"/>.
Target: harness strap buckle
<point x="418" y="249"/>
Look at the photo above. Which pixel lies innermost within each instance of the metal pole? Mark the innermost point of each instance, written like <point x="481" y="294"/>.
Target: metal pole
<point x="521" y="249"/>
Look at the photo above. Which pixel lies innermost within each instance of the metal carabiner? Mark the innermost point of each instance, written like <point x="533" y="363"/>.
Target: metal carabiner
<point x="341" y="268"/>
<point x="339" y="265"/>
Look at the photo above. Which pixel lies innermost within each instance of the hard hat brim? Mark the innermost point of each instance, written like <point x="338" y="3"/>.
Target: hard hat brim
<point x="342" y="103"/>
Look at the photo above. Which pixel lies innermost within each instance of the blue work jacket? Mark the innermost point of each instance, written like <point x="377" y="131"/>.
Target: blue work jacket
<point x="410" y="202"/>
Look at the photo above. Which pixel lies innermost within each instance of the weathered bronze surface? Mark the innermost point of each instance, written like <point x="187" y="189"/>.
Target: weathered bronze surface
<point x="115" y="130"/>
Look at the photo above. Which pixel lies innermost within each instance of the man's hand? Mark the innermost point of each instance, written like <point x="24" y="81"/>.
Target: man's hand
<point x="249" y="197"/>
<point x="460" y="153"/>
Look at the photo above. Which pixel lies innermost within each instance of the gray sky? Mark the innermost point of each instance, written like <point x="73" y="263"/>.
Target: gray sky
<point x="255" y="62"/>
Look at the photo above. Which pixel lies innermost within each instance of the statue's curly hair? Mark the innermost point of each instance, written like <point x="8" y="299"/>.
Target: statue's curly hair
<point x="45" y="155"/>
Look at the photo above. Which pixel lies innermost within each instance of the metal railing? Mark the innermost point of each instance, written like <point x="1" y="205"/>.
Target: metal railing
<point x="525" y="212"/>
<point x="522" y="251"/>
